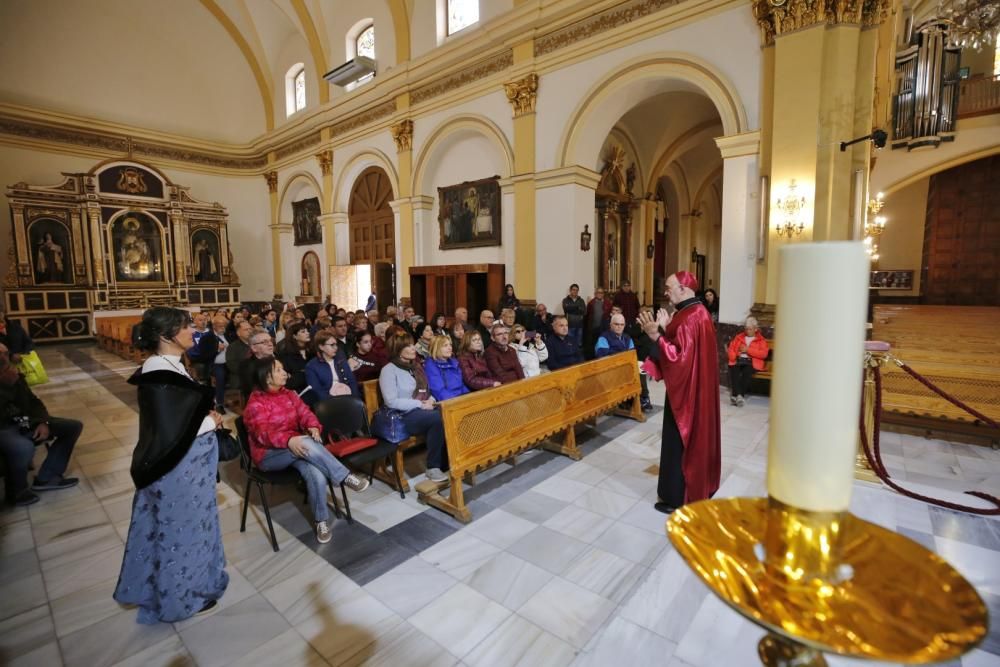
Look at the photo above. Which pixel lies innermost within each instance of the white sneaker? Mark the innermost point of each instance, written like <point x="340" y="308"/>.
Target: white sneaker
<point x="740" y="401"/>
<point x="435" y="475"/>
<point x="323" y="532"/>
<point x="732" y="400"/>
<point x="356" y="483"/>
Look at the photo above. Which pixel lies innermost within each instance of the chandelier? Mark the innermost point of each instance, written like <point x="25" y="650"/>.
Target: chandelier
<point x="874" y="226"/>
<point x="972" y="23"/>
<point x="791" y="208"/>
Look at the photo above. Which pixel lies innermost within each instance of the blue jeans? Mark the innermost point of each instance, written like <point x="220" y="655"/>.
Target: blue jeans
<point x="576" y="333"/>
<point x="428" y="424"/>
<point x="317" y="468"/>
<point x="18" y="449"/>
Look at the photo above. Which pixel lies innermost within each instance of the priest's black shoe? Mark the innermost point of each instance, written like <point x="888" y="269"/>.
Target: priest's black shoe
<point x="663" y="507"/>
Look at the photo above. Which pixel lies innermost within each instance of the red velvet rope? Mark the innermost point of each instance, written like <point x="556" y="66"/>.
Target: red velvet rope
<point x="954" y="401"/>
<point x="874" y="456"/>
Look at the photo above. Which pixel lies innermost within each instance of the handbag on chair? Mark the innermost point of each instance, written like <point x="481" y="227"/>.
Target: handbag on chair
<point x="229" y="447"/>
<point x="388" y="425"/>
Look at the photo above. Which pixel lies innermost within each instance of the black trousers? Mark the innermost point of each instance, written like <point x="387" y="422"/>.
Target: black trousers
<point x="739" y="379"/>
<point x="670" y="487"/>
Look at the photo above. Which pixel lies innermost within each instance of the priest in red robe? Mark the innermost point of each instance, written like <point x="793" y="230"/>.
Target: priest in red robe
<point x="684" y="356"/>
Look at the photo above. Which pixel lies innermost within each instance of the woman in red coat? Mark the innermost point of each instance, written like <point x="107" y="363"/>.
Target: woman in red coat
<point x="747" y="352"/>
<point x="475" y="373"/>
<point x="284" y="433"/>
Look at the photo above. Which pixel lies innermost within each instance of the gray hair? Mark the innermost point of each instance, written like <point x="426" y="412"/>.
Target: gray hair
<point x="751" y="322"/>
<point x="616" y="317"/>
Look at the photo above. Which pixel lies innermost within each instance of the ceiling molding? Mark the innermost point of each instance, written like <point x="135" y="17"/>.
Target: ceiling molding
<point x="263" y="81"/>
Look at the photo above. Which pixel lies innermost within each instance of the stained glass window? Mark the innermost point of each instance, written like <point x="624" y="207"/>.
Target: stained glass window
<point x="462" y="14"/>
<point x="366" y="42"/>
<point x="300" y="90"/>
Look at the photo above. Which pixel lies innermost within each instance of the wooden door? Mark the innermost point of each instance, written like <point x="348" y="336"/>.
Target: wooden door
<point x="370" y="218"/>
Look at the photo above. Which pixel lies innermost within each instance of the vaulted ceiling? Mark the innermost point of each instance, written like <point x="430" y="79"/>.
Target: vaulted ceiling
<point x="202" y="69"/>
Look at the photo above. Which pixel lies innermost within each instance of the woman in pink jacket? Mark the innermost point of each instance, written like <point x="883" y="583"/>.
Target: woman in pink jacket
<point x="284" y="432"/>
<point x="747" y="352"/>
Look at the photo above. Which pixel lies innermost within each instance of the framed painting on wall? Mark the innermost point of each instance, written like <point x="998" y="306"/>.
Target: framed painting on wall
<point x="305" y="222"/>
<point x="50" y="252"/>
<point x="205" y="262"/>
<point x="469" y="214"/>
<point x="137" y="244"/>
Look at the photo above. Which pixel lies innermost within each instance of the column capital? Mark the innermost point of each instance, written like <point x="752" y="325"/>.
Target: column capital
<point x="402" y="134"/>
<point x="282" y="227"/>
<point x="779" y="17"/>
<point x="739" y="145"/>
<point x="575" y="175"/>
<point x="522" y="94"/>
<point x="272" y="181"/>
<point x="337" y="218"/>
<point x="325" y="159"/>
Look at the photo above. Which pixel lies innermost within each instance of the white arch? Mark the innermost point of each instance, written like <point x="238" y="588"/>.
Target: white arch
<point x="437" y="140"/>
<point x="632" y="83"/>
<point x="301" y="176"/>
<point x="348" y="174"/>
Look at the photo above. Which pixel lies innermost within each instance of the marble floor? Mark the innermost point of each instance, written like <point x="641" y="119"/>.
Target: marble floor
<point x="565" y="562"/>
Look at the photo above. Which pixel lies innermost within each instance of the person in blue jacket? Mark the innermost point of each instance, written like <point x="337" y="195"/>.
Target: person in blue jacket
<point x="444" y="375"/>
<point x="328" y="373"/>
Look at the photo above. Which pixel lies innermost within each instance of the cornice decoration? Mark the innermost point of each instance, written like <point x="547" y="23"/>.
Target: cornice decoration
<point x="368" y="116"/>
<point x="522" y="94"/>
<point x="779" y="17"/>
<point x="463" y="77"/>
<point x="294" y="147"/>
<point x="623" y="14"/>
<point x="402" y="134"/>
<point x="325" y="159"/>
<point x="272" y="181"/>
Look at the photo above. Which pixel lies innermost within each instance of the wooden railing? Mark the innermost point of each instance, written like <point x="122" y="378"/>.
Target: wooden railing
<point x="486" y="427"/>
<point x="979" y="96"/>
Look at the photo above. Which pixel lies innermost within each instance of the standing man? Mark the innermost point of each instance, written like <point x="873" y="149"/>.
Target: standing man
<point x="685" y="358"/>
<point x="575" y="308"/>
<point x="24" y="425"/>
<point x="627" y="300"/>
<point x="598" y="310"/>
<point x="212" y="352"/>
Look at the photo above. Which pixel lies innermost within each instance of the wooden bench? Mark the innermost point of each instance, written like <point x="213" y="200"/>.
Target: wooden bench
<point x="486" y="427"/>
<point x="955" y="348"/>
<point x="114" y="334"/>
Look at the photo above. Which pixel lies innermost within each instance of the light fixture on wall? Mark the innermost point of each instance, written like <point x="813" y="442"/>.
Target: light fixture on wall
<point x="650" y="249"/>
<point x="790" y="209"/>
<point x="874" y="226"/>
<point x="585" y="237"/>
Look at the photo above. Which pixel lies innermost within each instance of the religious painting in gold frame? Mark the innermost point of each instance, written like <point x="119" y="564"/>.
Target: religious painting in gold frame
<point x="206" y="261"/>
<point x="51" y="252"/>
<point x="469" y="214"/>
<point x="137" y="248"/>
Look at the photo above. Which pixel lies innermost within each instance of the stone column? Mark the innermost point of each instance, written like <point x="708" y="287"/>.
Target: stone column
<point x="522" y="94"/>
<point x="740" y="205"/>
<point x="272" y="187"/>
<point x="402" y="134"/>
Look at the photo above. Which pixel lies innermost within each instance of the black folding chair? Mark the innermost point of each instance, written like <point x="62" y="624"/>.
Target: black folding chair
<point x="346" y="417"/>
<point x="260" y="477"/>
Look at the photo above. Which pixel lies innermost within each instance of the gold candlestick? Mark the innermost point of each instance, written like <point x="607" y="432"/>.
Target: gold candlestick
<point x="876" y="355"/>
<point x="828" y="582"/>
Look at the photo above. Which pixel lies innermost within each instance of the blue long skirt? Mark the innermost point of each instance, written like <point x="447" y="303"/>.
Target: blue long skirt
<point x="174" y="561"/>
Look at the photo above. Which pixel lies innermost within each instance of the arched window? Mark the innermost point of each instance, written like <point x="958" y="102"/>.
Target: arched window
<point x="462" y="14"/>
<point x="364" y="45"/>
<point x="295" y="89"/>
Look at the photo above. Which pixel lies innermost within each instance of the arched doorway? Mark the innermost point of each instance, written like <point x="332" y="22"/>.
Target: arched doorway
<point x="373" y="233"/>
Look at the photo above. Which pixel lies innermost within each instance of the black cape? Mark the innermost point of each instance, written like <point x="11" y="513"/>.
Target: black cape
<point x="171" y="410"/>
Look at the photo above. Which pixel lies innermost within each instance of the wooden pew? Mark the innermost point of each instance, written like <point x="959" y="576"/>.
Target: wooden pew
<point x="114" y="334"/>
<point x="486" y="427"/>
<point x="955" y="347"/>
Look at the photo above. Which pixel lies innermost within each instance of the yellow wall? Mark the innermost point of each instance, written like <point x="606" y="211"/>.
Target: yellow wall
<point x="901" y="245"/>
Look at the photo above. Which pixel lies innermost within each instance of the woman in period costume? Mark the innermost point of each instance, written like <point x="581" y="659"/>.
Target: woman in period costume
<point x="174" y="566"/>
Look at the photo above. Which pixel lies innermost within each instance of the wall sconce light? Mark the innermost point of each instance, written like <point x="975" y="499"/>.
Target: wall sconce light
<point x="790" y="207"/>
<point x="585" y="237"/>
<point x="650" y="250"/>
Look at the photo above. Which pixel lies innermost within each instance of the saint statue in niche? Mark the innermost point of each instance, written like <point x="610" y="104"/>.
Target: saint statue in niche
<point x="50" y="260"/>
<point x="205" y="256"/>
<point x="136" y="258"/>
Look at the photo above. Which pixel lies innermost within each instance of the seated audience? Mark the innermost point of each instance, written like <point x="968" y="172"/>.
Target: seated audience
<point x="15" y="338"/>
<point x="361" y="325"/>
<point x="24" y="425"/>
<point x="444" y="376"/>
<point x="462" y="315"/>
<point x="501" y="358"/>
<point x="439" y="325"/>
<point x="614" y="339"/>
<point x="458" y="331"/>
<point x="747" y="352"/>
<point x="404" y="387"/>
<point x="542" y="321"/>
<point x="294" y="354"/>
<point x="475" y="373"/>
<point x="507" y="316"/>
<point x="563" y="350"/>
<point x="485" y="324"/>
<point x="531" y="350"/>
<point x="328" y="373"/>
<point x="380" y="329"/>
<point x="239" y="350"/>
<point x="372" y="320"/>
<point x="368" y="358"/>
<point x="271" y="322"/>
<point x="261" y="345"/>
<point x="342" y="331"/>
<point x="424" y="336"/>
<point x="283" y="432"/>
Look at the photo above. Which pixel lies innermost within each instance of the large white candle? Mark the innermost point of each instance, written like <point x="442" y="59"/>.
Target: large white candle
<point x="816" y="386"/>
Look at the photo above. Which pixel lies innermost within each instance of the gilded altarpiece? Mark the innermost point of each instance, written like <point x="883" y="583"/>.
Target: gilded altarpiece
<point x="120" y="237"/>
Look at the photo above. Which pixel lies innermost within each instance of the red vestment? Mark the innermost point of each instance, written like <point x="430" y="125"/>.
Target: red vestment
<point x="688" y="363"/>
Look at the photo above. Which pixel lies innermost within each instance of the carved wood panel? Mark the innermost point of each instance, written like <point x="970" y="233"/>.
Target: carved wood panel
<point x="370" y="218"/>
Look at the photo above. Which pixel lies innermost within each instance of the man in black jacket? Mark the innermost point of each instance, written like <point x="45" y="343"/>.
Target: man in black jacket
<point x="14" y="336"/>
<point x="25" y="423"/>
<point x="563" y="349"/>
